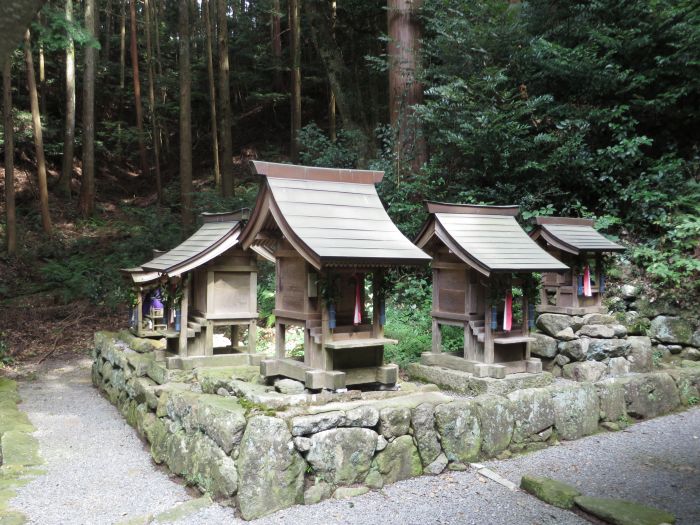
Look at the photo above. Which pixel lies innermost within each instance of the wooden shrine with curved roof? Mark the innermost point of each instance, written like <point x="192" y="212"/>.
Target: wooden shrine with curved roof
<point x="480" y="253"/>
<point x="576" y="243"/>
<point x="206" y="282"/>
<point x="331" y="238"/>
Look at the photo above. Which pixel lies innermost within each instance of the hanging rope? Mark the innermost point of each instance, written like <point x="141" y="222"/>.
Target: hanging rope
<point x="508" y="311"/>
<point x="587" y="292"/>
<point x="357" y="317"/>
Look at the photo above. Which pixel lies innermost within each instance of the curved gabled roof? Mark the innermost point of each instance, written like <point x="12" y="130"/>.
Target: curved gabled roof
<point x="330" y="216"/>
<point x="573" y="235"/>
<point x="487" y="238"/>
<point x="219" y="233"/>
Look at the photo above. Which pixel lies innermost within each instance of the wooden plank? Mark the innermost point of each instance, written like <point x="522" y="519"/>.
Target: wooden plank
<point x="182" y="342"/>
<point x="360" y="343"/>
<point x="450" y="361"/>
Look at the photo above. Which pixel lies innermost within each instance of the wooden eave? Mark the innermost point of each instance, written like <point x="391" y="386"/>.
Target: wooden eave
<point x="461" y="238"/>
<point x="330" y="217"/>
<point x="208" y="252"/>
<point x="573" y="235"/>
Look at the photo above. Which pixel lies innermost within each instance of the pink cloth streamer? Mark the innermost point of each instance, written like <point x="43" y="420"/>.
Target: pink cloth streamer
<point x="357" y="317"/>
<point x="508" y="312"/>
<point x="587" y="292"/>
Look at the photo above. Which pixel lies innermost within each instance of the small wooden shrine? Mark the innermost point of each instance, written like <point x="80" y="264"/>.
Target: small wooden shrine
<point x="574" y="242"/>
<point x="480" y="255"/>
<point x="332" y="240"/>
<point x="184" y="294"/>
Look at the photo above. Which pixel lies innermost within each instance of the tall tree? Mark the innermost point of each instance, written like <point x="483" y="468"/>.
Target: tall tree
<point x="122" y="43"/>
<point x="276" y="38"/>
<point x="225" y="102"/>
<point x="405" y="90"/>
<point x="212" y="93"/>
<point x="38" y="135"/>
<point x="332" y="124"/>
<point x="11" y="219"/>
<point x="137" y="87"/>
<point x="152" y="102"/>
<point x="185" y="116"/>
<point x="295" y="95"/>
<point x="42" y="71"/>
<point x="87" y="189"/>
<point x="69" y="129"/>
<point x="108" y="30"/>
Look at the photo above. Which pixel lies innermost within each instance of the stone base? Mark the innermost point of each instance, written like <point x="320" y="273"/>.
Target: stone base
<point x="478" y="369"/>
<point x="571" y="310"/>
<point x="317" y="379"/>
<point x="467" y="383"/>
<point x="190" y="363"/>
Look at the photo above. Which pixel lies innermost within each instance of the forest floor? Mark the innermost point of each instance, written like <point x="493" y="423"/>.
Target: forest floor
<point x="99" y="472"/>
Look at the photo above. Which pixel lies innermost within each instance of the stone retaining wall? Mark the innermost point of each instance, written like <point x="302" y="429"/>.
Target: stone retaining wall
<point x="263" y="459"/>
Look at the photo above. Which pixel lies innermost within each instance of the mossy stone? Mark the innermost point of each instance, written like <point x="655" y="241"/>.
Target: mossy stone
<point x="349" y="492"/>
<point x="621" y="512"/>
<point x="550" y="491"/>
<point x="399" y="460"/>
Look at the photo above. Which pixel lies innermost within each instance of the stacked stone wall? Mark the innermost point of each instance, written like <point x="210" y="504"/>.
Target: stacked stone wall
<point x="263" y="459"/>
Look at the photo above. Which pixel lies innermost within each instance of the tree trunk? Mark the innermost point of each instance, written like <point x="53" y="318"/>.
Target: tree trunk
<point x="69" y="129"/>
<point x="348" y="99"/>
<point x="108" y="31"/>
<point x="87" y="188"/>
<point x="42" y="73"/>
<point x="38" y="137"/>
<point x="122" y="43"/>
<point x="405" y="90"/>
<point x="137" y="88"/>
<point x="11" y="219"/>
<point x="185" y="120"/>
<point x="332" y="124"/>
<point x="295" y="94"/>
<point x="212" y="94"/>
<point x="157" y="32"/>
<point x="276" y="38"/>
<point x="226" y="158"/>
<point x="152" y="102"/>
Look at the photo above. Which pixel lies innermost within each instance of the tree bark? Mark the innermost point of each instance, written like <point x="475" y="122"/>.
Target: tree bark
<point x="87" y="188"/>
<point x="137" y="88"/>
<point x="152" y="102"/>
<point x="332" y="121"/>
<point x="212" y="94"/>
<point x="295" y="94"/>
<point x="185" y="119"/>
<point x="42" y="73"/>
<point x="15" y="16"/>
<point x="348" y="99"/>
<point x="38" y="136"/>
<point x="405" y="90"/>
<point x="69" y="129"/>
<point x="122" y="43"/>
<point x="226" y="158"/>
<point x="108" y="31"/>
<point x="11" y="218"/>
<point x="276" y="38"/>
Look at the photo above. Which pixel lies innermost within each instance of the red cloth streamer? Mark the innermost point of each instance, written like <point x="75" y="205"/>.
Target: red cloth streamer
<point x="508" y="312"/>
<point x="587" y="292"/>
<point x="357" y="317"/>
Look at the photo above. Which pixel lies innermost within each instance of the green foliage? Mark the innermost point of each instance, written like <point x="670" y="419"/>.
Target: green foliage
<point x="89" y="267"/>
<point x="317" y="149"/>
<point x="5" y="357"/>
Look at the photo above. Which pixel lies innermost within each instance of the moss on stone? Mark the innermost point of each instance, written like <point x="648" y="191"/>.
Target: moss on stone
<point x="621" y="512"/>
<point x="550" y="491"/>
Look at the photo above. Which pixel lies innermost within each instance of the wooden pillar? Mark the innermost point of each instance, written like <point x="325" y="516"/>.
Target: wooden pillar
<point x="598" y="275"/>
<point x="437" y="336"/>
<point x="309" y="350"/>
<point x="279" y="340"/>
<point x="235" y="335"/>
<point x="526" y="328"/>
<point x="139" y="311"/>
<point x="326" y="336"/>
<point x="184" y="314"/>
<point x="252" y="336"/>
<point x="377" y="298"/>
<point x="208" y="328"/>
<point x="488" y="337"/>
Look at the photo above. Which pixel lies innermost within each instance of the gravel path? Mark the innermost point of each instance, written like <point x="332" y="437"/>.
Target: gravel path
<point x="99" y="472"/>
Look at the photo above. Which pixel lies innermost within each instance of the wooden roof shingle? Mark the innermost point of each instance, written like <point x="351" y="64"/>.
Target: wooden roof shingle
<point x="330" y="216"/>
<point x="487" y="238"/>
<point x="573" y="235"/>
<point x="219" y="233"/>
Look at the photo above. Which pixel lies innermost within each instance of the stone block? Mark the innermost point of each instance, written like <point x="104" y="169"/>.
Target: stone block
<point x="496" y="422"/>
<point x="576" y="410"/>
<point x="551" y="324"/>
<point x="532" y="366"/>
<point x="598" y="319"/>
<point x="399" y="460"/>
<point x="600" y="349"/>
<point x="591" y="371"/>
<point x="621" y="512"/>
<point x="533" y="413"/>
<point x="611" y="396"/>
<point x="425" y="434"/>
<point x="618" y="366"/>
<point x="671" y="329"/>
<point x="603" y="331"/>
<point x="342" y="456"/>
<point x="550" y="491"/>
<point x="575" y="350"/>
<point x="273" y="480"/>
<point x="640" y="354"/>
<point x="650" y="395"/>
<point x="458" y="425"/>
<point x="543" y="345"/>
<point x="394" y="422"/>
